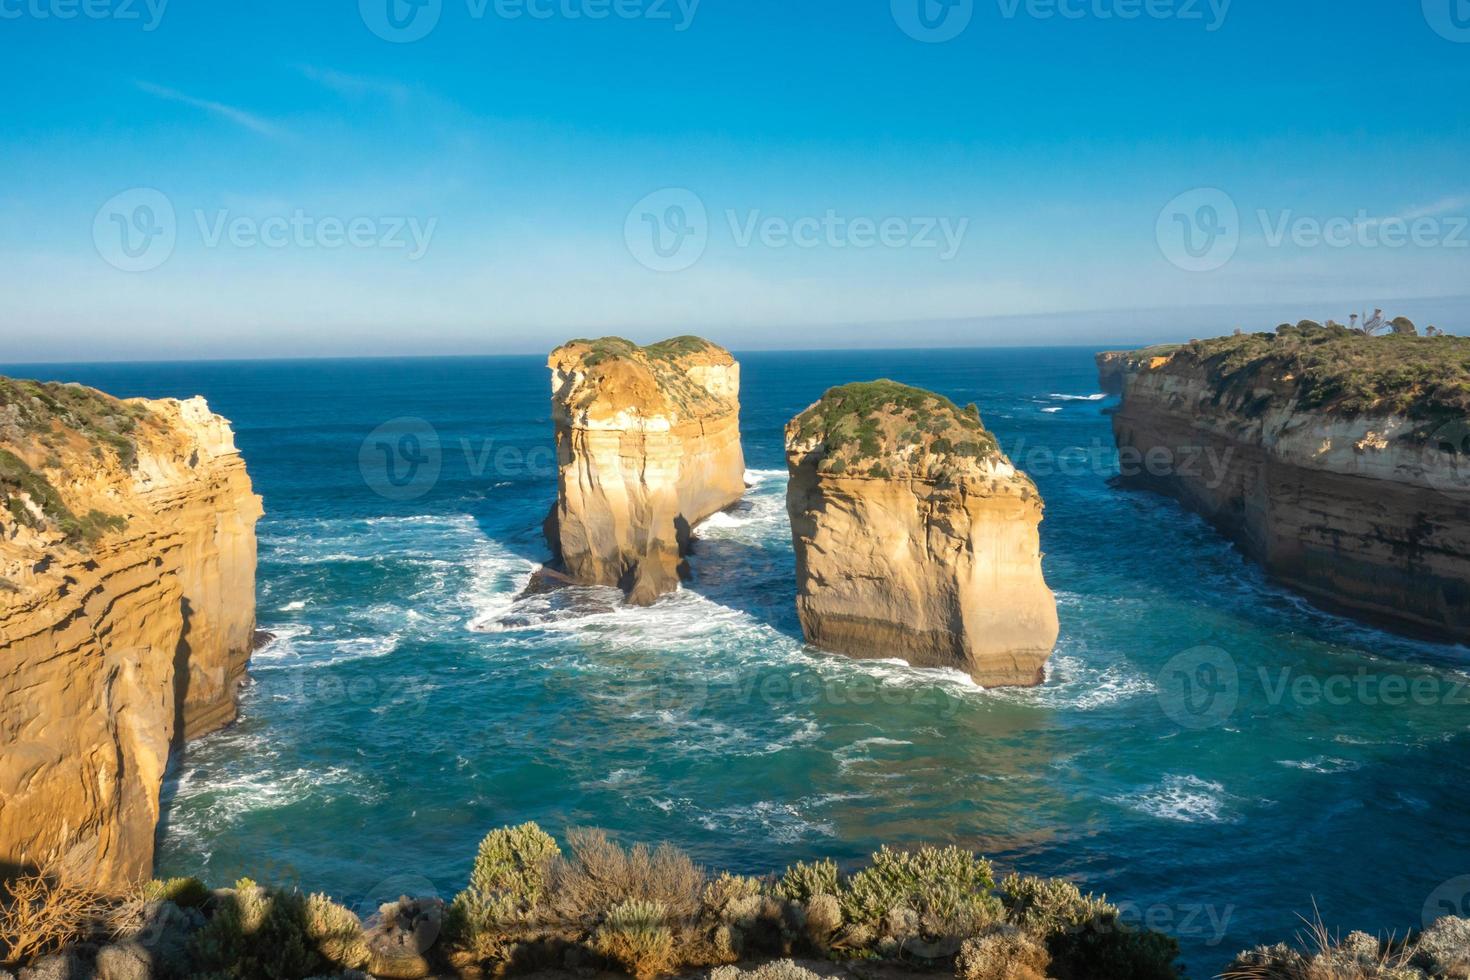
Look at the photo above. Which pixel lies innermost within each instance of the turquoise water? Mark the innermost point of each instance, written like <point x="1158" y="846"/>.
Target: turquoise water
<point x="410" y="701"/>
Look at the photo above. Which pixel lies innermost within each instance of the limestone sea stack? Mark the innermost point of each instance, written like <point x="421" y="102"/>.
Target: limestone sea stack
<point x="916" y="537"/>
<point x="648" y="445"/>
<point x="127" y="614"/>
<point x="1340" y="462"/>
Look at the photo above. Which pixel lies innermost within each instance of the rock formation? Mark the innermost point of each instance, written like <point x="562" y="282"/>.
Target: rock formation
<point x="1339" y="462"/>
<point x="127" y="614"/>
<point x="915" y="537"/>
<point x="648" y="445"/>
<point x="1116" y="367"/>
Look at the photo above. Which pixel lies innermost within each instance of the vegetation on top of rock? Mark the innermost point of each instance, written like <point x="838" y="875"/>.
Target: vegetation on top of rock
<point x="1338" y="370"/>
<point x="885" y="429"/>
<point x="659" y="368"/>
<point x="44" y="410"/>
<point x="34" y="503"/>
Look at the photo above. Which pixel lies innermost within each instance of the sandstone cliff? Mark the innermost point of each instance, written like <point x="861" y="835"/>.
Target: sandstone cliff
<point x="648" y="445"/>
<point x="1339" y="462"/>
<point x="915" y="537"/>
<point x="127" y="613"/>
<point x="1116" y="367"/>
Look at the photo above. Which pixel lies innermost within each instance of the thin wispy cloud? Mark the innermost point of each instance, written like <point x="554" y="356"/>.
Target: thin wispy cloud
<point x="240" y="117"/>
<point x="357" y="86"/>
<point x="1440" y="208"/>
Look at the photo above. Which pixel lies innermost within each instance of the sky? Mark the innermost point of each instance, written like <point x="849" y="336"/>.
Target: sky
<point x="189" y="179"/>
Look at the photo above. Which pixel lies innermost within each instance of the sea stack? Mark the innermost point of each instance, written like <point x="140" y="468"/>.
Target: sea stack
<point x="648" y="445"/>
<point x="127" y="614"/>
<point x="1340" y="462"/>
<point x="916" y="537"/>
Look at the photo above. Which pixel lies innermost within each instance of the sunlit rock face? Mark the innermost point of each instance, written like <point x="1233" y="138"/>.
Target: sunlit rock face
<point x="127" y="614"/>
<point x="916" y="537"/>
<point x="1339" y="462"/>
<point x="648" y="445"/>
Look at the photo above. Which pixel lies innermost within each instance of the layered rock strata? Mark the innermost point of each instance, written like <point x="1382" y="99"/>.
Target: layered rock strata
<point x="916" y="537"/>
<point x="648" y="445"/>
<point x="1339" y="462"/>
<point x="127" y="614"/>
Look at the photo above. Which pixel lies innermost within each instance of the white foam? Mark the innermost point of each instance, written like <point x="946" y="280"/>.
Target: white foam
<point x="1184" y="799"/>
<point x="1052" y="410"/>
<point x="1078" y="398"/>
<point x="296" y="606"/>
<point x="1322" y="764"/>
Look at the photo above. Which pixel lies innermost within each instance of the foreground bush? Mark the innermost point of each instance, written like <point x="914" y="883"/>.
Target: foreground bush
<point x="45" y="911"/>
<point x="531" y="906"/>
<point x="1441" y="952"/>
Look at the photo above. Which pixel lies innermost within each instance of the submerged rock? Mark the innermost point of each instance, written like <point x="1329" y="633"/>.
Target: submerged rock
<point x="915" y="537"/>
<point x="127" y="539"/>
<point x="648" y="445"/>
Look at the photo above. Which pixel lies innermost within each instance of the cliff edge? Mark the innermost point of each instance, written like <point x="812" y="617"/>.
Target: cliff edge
<point x="916" y="537"/>
<point x="648" y="445"/>
<point x="127" y="614"/>
<point x="1338" y="461"/>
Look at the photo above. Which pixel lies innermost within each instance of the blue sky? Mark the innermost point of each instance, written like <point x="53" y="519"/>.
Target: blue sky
<point x="818" y="173"/>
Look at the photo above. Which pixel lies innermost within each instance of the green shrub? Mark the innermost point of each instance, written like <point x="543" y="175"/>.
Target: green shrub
<point x="506" y="885"/>
<point x="1084" y="934"/>
<point x="1004" y="952"/>
<point x="256" y="934"/>
<point x="802" y="881"/>
<point x="947" y="888"/>
<point x="336" y="933"/>
<point x="186" y="893"/>
<point x="636" y="935"/>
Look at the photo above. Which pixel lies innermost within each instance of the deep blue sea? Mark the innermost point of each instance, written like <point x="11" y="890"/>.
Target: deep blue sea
<point x="410" y="702"/>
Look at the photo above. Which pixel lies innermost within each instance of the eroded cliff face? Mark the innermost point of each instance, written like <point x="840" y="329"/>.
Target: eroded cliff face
<point x="916" y="537"/>
<point x="648" y="445"/>
<point x="1116" y="367"/>
<point x="127" y="614"/>
<point x="1346" y="478"/>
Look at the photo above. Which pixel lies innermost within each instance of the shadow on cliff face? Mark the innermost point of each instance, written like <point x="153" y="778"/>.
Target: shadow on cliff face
<point x="169" y="790"/>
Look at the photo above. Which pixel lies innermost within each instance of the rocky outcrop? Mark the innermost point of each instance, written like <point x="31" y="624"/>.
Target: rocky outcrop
<point x="648" y="445"/>
<point x="915" y="537"/>
<point x="1116" y="367"/>
<point x="127" y="614"/>
<point x="1339" y="462"/>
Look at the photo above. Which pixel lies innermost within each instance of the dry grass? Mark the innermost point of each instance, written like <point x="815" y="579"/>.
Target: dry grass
<point x="601" y="875"/>
<point x="46" y="911"/>
<point x="1327" y="957"/>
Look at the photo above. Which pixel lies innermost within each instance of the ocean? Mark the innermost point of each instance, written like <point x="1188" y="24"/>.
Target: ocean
<point x="410" y="701"/>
